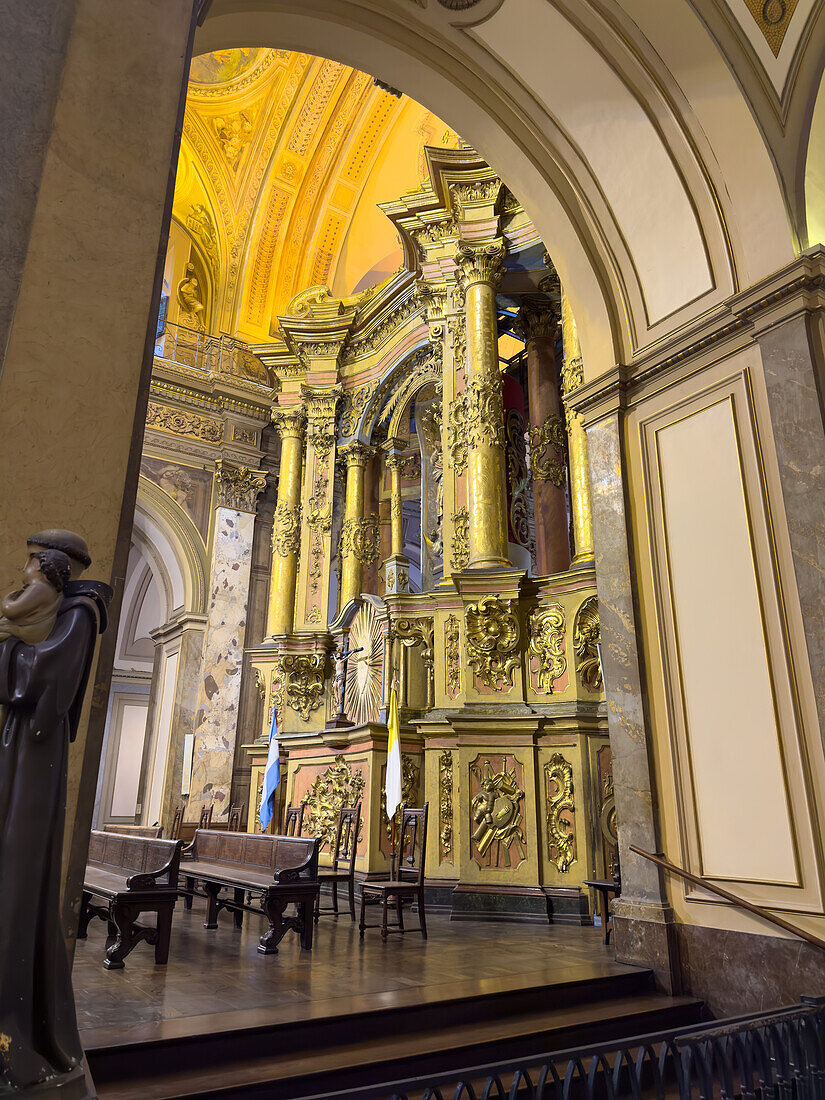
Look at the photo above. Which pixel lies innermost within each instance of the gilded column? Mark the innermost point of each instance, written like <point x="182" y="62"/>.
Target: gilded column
<point x="537" y="325"/>
<point x="480" y="269"/>
<point x="397" y="566"/>
<point x="572" y="376"/>
<point x="286" y="526"/>
<point x="359" y="534"/>
<point x="311" y="611"/>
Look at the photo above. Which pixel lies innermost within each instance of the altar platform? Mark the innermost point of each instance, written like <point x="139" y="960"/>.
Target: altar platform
<point x="222" y="1020"/>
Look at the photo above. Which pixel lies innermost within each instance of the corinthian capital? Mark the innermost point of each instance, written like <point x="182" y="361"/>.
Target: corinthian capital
<point x="356" y="454"/>
<point x="290" y="421"/>
<point x="238" y="486"/>
<point x="536" y="321"/>
<point x="480" y="263"/>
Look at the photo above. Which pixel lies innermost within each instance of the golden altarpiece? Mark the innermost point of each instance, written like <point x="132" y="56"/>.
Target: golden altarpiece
<point x="433" y="514"/>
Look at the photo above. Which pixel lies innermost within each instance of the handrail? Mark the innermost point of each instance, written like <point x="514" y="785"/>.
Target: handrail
<point x="757" y="910"/>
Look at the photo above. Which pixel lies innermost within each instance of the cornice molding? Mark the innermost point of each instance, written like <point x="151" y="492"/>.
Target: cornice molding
<point x="796" y="289"/>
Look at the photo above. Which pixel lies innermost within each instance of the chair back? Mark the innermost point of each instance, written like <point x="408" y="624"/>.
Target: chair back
<point x="412" y="844"/>
<point x="237" y="822"/>
<point x="294" y="822"/>
<point x="205" y="820"/>
<point x="177" y="821"/>
<point x="346" y="839"/>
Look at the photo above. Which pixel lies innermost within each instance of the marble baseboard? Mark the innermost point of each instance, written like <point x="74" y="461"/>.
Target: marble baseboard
<point x="645" y="935"/>
<point x="736" y="972"/>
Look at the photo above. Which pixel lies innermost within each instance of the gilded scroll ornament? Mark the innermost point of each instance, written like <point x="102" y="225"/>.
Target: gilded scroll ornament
<point x="304" y="681"/>
<point x="480" y="263"/>
<point x="572" y="374"/>
<point x="457" y="331"/>
<point x="457" y="432"/>
<point x="339" y="786"/>
<point x="561" y="837"/>
<point x="519" y="478"/>
<point x="414" y="632"/>
<point x="286" y="529"/>
<point x="260" y="684"/>
<point x="238" y="486"/>
<point x="321" y="421"/>
<point x="493" y="635"/>
<point x="452" y="646"/>
<point x="586" y="640"/>
<point x="461" y="539"/>
<point x="548" y="442"/>
<point x="360" y="539"/>
<point x="484" y="412"/>
<point x="186" y="424"/>
<point x="546" y="629"/>
<point x="445" y="807"/>
<point x="319" y="524"/>
<point x="353" y="404"/>
<point x="497" y="814"/>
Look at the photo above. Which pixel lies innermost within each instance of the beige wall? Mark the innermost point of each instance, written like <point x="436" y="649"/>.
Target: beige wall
<point x="739" y="759"/>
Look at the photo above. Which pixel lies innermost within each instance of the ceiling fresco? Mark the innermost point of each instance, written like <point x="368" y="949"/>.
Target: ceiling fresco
<point x="283" y="160"/>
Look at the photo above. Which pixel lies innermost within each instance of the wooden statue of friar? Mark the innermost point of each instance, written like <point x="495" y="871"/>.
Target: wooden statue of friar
<point x="48" y="630"/>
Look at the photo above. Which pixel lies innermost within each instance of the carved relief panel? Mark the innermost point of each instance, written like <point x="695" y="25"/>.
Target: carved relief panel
<point x="497" y="829"/>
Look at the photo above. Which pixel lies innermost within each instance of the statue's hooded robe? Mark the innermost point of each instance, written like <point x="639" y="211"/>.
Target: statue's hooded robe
<point x="41" y="688"/>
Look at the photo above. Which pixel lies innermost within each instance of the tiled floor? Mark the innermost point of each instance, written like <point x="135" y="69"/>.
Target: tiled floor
<point x="220" y="971"/>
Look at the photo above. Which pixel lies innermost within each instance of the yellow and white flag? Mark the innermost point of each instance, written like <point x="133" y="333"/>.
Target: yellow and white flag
<point x="392" y="781"/>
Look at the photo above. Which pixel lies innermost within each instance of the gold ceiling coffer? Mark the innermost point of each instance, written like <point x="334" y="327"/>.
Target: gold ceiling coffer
<point x="480" y="267"/>
<point x="286" y="526"/>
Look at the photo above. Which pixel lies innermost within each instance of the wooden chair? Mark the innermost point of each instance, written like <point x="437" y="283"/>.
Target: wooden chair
<point x="177" y="821"/>
<point x="205" y="820"/>
<point x="343" y="860"/>
<point x="237" y="819"/>
<point x="294" y="821"/>
<point x="408" y="878"/>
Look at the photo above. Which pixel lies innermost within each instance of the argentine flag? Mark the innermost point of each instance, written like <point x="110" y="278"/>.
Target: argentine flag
<point x="272" y="773"/>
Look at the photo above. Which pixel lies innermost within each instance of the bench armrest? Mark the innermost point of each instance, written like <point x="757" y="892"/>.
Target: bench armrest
<point x="288" y="874"/>
<point x="149" y="880"/>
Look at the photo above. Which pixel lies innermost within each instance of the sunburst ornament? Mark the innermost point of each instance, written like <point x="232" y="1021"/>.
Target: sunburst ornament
<point x="362" y="697"/>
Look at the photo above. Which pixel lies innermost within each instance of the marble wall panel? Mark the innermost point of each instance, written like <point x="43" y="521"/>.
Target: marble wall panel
<point x="621" y="663"/>
<point x="219" y="690"/>
<point x="789" y="360"/>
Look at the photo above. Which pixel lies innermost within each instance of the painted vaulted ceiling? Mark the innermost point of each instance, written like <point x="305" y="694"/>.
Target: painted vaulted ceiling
<point x="283" y="159"/>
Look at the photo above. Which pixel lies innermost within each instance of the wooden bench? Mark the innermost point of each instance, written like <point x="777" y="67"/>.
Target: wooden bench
<point x="282" y="870"/>
<point x="131" y="875"/>
<point x="153" y="832"/>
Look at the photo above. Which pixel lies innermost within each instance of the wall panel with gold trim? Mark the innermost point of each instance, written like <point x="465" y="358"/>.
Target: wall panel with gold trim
<point x="736" y="757"/>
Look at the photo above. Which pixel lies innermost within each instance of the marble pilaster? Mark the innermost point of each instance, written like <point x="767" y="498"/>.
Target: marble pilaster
<point x="644" y="930"/>
<point x="216" y="713"/>
<point x="790" y="352"/>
